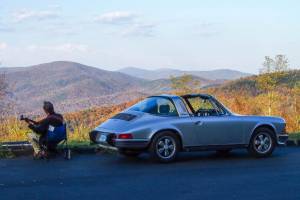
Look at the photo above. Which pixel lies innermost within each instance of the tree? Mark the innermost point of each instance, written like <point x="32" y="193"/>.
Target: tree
<point x="184" y="84"/>
<point x="296" y="95"/>
<point x="267" y="65"/>
<point x="281" y="63"/>
<point x="3" y="95"/>
<point x="271" y="73"/>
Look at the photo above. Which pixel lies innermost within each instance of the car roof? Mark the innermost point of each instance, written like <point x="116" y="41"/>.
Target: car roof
<point x="196" y="95"/>
<point x="184" y="96"/>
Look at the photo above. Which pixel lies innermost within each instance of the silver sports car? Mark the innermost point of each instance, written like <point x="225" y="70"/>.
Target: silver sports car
<point x="167" y="124"/>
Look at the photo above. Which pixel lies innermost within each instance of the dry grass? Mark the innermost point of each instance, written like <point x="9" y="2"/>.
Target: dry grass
<point x="79" y="123"/>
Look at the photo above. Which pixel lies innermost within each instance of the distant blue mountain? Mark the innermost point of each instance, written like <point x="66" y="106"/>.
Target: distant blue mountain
<point x="219" y="74"/>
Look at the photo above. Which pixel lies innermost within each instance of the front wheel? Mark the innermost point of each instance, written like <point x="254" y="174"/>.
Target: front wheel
<point x="164" y="147"/>
<point x="262" y="143"/>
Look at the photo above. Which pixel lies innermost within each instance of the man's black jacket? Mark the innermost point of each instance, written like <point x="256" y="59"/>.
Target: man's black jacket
<point x="41" y="127"/>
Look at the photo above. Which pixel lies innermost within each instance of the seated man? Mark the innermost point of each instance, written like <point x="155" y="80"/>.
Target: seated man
<point x="40" y="128"/>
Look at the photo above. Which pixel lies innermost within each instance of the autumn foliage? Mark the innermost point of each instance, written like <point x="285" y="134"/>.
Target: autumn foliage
<point x="276" y="92"/>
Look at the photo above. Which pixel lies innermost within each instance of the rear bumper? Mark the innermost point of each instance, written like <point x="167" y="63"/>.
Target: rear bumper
<point x="282" y="139"/>
<point x="119" y="143"/>
<point x="131" y="144"/>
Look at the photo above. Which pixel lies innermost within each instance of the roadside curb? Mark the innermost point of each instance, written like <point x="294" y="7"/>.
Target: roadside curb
<point x="24" y="148"/>
<point x="293" y="143"/>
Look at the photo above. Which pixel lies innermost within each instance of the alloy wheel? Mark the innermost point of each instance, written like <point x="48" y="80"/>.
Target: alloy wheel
<point x="166" y="147"/>
<point x="262" y="142"/>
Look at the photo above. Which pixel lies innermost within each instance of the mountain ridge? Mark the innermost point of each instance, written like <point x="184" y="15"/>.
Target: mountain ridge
<point x="222" y="74"/>
<point x="73" y="86"/>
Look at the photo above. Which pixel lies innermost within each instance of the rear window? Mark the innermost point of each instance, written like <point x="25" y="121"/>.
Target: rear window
<point x="156" y="106"/>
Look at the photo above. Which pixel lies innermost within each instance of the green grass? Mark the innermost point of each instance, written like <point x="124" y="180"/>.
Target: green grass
<point x="294" y="136"/>
<point x="76" y="144"/>
<point x="79" y="144"/>
<point x="5" y="153"/>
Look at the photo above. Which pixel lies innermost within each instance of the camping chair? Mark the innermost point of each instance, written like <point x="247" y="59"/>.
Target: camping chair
<point x="56" y="135"/>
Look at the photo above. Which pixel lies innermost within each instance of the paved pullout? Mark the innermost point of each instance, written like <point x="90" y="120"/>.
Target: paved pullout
<point x="203" y="175"/>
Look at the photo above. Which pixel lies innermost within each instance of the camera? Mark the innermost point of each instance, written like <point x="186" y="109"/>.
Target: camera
<point x="22" y="118"/>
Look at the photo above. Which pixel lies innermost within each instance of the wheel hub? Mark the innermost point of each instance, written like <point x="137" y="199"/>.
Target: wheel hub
<point x="262" y="143"/>
<point x="166" y="147"/>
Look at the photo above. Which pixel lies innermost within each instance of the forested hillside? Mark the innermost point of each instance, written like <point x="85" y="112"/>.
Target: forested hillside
<point x="251" y="84"/>
<point x="74" y="86"/>
<point x="275" y="92"/>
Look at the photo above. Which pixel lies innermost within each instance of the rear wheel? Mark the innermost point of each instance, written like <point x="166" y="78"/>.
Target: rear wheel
<point x="164" y="146"/>
<point x="262" y="143"/>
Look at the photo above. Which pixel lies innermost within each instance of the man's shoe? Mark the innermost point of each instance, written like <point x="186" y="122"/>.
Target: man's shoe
<point x="40" y="155"/>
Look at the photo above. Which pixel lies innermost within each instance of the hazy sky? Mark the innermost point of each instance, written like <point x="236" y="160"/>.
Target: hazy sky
<point x="182" y="34"/>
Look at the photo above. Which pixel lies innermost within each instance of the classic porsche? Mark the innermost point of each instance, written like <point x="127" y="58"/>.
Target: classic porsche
<point x="167" y="124"/>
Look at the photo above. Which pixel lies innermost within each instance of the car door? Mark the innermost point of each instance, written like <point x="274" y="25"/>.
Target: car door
<point x="184" y="123"/>
<point x="218" y="130"/>
<point x="213" y="127"/>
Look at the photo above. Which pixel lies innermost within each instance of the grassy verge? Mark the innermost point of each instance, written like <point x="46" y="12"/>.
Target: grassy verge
<point x="294" y="136"/>
<point x="5" y="153"/>
<point x="79" y="144"/>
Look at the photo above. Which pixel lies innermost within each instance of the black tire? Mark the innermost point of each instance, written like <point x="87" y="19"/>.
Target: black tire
<point x="129" y="153"/>
<point x="257" y="148"/>
<point x="164" y="147"/>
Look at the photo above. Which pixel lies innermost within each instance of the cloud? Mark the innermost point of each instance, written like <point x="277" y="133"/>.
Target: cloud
<point x="116" y="17"/>
<point x="146" y="30"/>
<point x="130" y="23"/>
<point x="24" y="14"/>
<point x="67" y="47"/>
<point x="3" y="45"/>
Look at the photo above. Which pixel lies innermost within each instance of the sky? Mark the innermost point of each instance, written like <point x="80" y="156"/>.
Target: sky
<point x="150" y="34"/>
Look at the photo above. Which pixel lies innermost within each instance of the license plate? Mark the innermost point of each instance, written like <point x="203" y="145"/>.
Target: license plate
<point x="102" y="138"/>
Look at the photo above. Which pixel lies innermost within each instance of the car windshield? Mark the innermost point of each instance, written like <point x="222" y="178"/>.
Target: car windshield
<point x="156" y="106"/>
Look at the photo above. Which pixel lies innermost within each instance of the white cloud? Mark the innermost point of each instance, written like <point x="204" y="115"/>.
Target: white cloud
<point x="131" y="23"/>
<point x="116" y="17"/>
<point x="67" y="47"/>
<point x="3" y="45"/>
<point x="139" y="30"/>
<point x="25" y="14"/>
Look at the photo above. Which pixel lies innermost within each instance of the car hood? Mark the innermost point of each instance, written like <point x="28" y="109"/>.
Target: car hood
<point x="262" y="118"/>
<point x="121" y="122"/>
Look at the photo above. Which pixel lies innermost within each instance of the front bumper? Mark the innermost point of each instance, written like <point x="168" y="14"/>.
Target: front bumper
<point x="118" y="143"/>
<point x="282" y="139"/>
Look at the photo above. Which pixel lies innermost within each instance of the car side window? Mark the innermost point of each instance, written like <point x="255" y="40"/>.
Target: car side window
<point x="165" y="107"/>
<point x="202" y="106"/>
<point x="156" y="106"/>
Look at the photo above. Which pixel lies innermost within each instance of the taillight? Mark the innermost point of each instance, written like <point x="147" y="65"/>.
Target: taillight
<point x="125" y="136"/>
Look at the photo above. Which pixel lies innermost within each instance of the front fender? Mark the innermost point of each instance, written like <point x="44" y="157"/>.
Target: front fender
<point x="262" y="124"/>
